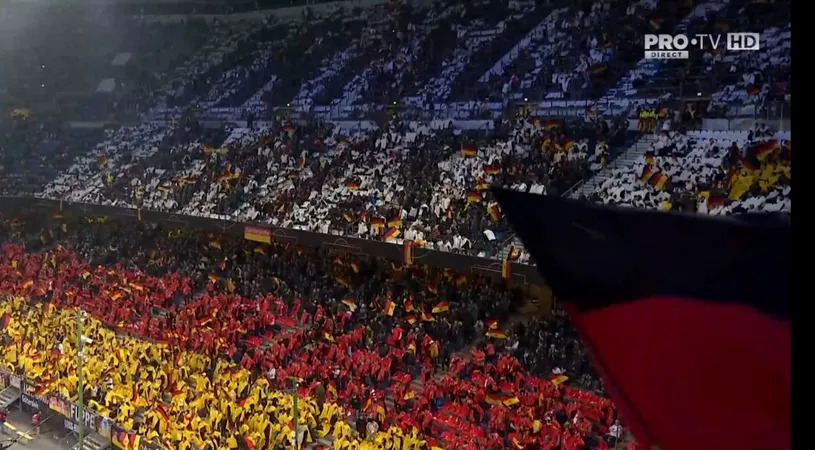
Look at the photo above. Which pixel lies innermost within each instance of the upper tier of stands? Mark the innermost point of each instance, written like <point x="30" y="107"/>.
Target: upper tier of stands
<point x="713" y="173"/>
<point x="472" y="57"/>
<point x="426" y="179"/>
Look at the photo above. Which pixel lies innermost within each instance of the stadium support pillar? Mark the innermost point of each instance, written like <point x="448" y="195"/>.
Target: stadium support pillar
<point x="80" y="427"/>
<point x="295" y="413"/>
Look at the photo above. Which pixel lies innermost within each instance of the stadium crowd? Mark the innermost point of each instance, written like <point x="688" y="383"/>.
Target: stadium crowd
<point x="426" y="355"/>
<point x="201" y="341"/>
<point x="714" y="173"/>
<point x="423" y="182"/>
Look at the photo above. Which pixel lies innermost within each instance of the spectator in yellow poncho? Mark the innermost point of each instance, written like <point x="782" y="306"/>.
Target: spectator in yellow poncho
<point x="180" y="404"/>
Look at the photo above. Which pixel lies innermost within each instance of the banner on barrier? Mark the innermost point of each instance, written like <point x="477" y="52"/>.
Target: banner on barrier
<point x="32" y="404"/>
<point x="127" y="440"/>
<point x="92" y="420"/>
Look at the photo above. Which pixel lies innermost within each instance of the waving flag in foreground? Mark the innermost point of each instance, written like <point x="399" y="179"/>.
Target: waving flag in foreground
<point x="686" y="317"/>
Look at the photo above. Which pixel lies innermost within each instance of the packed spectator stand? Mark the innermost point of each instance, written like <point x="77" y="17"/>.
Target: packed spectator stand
<point x="410" y="347"/>
<point x="388" y="122"/>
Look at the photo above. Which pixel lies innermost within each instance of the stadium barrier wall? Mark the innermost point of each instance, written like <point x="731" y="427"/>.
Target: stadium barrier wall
<point x="517" y="273"/>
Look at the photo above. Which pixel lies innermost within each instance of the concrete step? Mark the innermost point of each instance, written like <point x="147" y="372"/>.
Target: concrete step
<point x="9" y="396"/>
<point x="93" y="442"/>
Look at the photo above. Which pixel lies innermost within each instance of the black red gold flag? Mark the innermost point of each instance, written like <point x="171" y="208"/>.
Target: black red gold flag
<point x="686" y="317"/>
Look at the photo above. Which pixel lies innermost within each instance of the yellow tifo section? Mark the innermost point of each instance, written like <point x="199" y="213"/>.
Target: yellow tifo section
<point x="181" y="405"/>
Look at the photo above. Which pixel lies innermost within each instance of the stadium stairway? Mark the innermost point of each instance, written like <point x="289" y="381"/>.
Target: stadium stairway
<point x="93" y="441"/>
<point x="9" y="395"/>
<point x="628" y="158"/>
<point x="507" y="247"/>
<point x="498" y="68"/>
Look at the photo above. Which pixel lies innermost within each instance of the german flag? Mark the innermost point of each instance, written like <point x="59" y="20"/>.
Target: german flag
<point x="647" y="173"/>
<point x="511" y="401"/>
<point x="343" y="282"/>
<point x="427" y="317"/>
<point x="656" y="23"/>
<point x="469" y="151"/>
<point x="395" y="222"/>
<point x="506" y="269"/>
<point x="411" y="319"/>
<point x="492" y="324"/>
<point x="514" y="253"/>
<point x="354" y="267"/>
<point x="58" y="215"/>
<point x="481" y="185"/>
<point x="752" y="90"/>
<point x="42" y="389"/>
<point x="352" y="185"/>
<point x="377" y="223"/>
<point x="162" y="412"/>
<point x="409" y="305"/>
<point x="658" y="181"/>
<point x="709" y="343"/>
<point x="215" y="244"/>
<point x="390" y="307"/>
<point x="492" y="169"/>
<point x="292" y="175"/>
<point x="597" y="69"/>
<point x="348" y="217"/>
<point x="497" y="398"/>
<point x="349" y="302"/>
<point x="551" y="124"/>
<point x="433" y="348"/>
<point x="441" y="307"/>
<point x="407" y="252"/>
<point x="473" y="197"/>
<point x="557" y="380"/>
<point x="212" y="278"/>
<point x="433" y="287"/>
<point x="765" y="149"/>
<point x="494" y="211"/>
<point x="497" y="334"/>
<point x="392" y="234"/>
